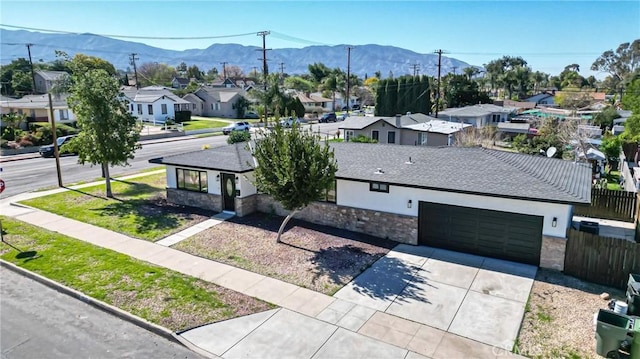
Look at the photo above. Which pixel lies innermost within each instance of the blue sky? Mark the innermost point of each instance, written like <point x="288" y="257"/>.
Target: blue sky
<point x="548" y="34"/>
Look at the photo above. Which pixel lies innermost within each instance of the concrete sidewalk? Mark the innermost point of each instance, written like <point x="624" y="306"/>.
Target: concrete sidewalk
<point x="309" y="325"/>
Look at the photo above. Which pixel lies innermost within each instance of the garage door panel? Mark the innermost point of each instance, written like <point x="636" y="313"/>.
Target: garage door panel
<point x="505" y="235"/>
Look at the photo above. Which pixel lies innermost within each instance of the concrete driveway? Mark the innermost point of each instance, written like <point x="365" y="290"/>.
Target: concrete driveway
<point x="479" y="298"/>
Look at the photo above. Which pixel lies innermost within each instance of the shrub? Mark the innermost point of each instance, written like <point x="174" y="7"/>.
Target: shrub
<point x="238" y="136"/>
<point x="24" y="142"/>
<point x="4" y="143"/>
<point x="362" y="139"/>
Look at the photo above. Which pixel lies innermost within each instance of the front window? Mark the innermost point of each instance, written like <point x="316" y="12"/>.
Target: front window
<point x="192" y="180"/>
<point x="378" y="187"/>
<point x="164" y="108"/>
<point x="139" y="109"/>
<point x="348" y="134"/>
<point x="375" y="135"/>
<point x="391" y="137"/>
<point x="422" y="139"/>
<point x="150" y="108"/>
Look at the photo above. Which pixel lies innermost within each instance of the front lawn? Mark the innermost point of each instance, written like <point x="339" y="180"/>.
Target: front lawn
<point x="316" y="257"/>
<point x="161" y="296"/>
<point x="139" y="208"/>
<point x="202" y="124"/>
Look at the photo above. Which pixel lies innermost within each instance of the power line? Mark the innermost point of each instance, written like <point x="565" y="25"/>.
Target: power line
<point x="130" y="36"/>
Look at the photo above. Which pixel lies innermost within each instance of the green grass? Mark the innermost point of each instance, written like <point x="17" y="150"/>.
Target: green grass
<point x="202" y="124"/>
<point x="612" y="181"/>
<point x="132" y="212"/>
<point x="157" y="294"/>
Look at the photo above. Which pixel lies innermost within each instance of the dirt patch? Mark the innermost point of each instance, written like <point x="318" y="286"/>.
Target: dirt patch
<point x="316" y="257"/>
<point x="558" y="322"/>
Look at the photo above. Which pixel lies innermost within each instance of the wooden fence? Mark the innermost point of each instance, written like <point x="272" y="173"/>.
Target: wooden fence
<point x="601" y="260"/>
<point x="610" y="204"/>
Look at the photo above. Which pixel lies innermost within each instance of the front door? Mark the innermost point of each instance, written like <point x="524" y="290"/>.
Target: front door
<point x="229" y="192"/>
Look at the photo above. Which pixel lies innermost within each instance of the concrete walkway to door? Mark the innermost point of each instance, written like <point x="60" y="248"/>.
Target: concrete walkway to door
<point x="474" y="297"/>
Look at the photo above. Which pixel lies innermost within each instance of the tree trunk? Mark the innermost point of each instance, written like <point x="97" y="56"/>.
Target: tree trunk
<point x="105" y="169"/>
<point x="284" y="224"/>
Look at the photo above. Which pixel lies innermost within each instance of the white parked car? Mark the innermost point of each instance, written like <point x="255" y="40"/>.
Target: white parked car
<point x="288" y="122"/>
<point x="237" y="126"/>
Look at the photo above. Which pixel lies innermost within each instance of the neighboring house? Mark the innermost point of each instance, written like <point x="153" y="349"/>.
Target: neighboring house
<point x="216" y="101"/>
<point x="512" y="129"/>
<point x="410" y="129"/>
<point x="312" y="101"/>
<point x="520" y="105"/>
<point x="180" y="82"/>
<point x="46" y="80"/>
<point x="36" y="107"/>
<point x="340" y="102"/>
<point x="228" y="83"/>
<point x="196" y="104"/>
<point x="543" y="98"/>
<point x="245" y="84"/>
<point x="479" y="115"/>
<point x="153" y="105"/>
<point x="491" y="203"/>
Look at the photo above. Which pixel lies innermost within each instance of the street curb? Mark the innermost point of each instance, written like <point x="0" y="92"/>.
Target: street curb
<point x="131" y="318"/>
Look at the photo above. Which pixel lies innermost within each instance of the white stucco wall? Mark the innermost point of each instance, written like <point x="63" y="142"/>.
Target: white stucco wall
<point x="213" y="182"/>
<point x="245" y="185"/>
<point x="172" y="179"/>
<point x="357" y="194"/>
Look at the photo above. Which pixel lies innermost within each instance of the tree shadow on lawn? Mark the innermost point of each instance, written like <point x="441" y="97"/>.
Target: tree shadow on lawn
<point x="137" y="189"/>
<point x="154" y="213"/>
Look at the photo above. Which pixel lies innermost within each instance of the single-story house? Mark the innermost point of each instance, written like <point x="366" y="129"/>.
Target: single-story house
<point x="492" y="203"/>
<point x="215" y="101"/>
<point x="520" y="105"/>
<point x="514" y="128"/>
<point x="180" y="82"/>
<point x="479" y="115"/>
<point x="46" y="80"/>
<point x="153" y="105"/>
<point x="226" y="83"/>
<point x="341" y="102"/>
<point x="543" y="98"/>
<point x="312" y="101"/>
<point x="410" y="129"/>
<point x="36" y="107"/>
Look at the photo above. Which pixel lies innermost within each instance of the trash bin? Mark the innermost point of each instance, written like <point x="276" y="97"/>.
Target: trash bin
<point x="633" y="295"/>
<point x="590" y="227"/>
<point x="611" y="330"/>
<point x="635" y="343"/>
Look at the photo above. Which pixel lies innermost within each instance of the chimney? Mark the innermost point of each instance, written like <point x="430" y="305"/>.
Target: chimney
<point x="398" y="121"/>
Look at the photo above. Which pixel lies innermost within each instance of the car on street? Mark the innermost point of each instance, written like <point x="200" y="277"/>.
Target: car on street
<point x="288" y="122"/>
<point x="342" y="116"/>
<point x="48" y="151"/>
<point x="236" y="126"/>
<point x="251" y="115"/>
<point x="328" y="117"/>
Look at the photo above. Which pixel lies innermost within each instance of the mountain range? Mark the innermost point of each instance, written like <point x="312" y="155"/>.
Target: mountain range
<point x="365" y="59"/>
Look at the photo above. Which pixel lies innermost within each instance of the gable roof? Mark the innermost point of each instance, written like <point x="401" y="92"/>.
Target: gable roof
<point x="36" y="102"/>
<point x="222" y="94"/>
<point x="150" y="95"/>
<point x="473" y="170"/>
<point x="311" y="98"/>
<point x="438" y="126"/>
<point x="181" y="80"/>
<point x="51" y="75"/>
<point x="477" y="110"/>
<point x="406" y="121"/>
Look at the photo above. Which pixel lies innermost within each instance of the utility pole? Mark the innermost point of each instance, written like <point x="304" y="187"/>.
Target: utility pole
<point x="133" y="59"/>
<point x="33" y="75"/>
<point x="56" y="153"/>
<point x="255" y="71"/>
<point x="265" y="70"/>
<point x="282" y="69"/>
<point x="454" y="69"/>
<point x="348" y="78"/>
<point x="439" y="52"/>
<point x="224" y="69"/>
<point x="416" y="68"/>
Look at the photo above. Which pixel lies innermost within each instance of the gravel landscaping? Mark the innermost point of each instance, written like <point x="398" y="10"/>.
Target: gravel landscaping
<point x="558" y="322"/>
<point x="316" y="257"/>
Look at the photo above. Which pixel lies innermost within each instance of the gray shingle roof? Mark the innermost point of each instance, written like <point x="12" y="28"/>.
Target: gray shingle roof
<point x="233" y="158"/>
<point x="465" y="170"/>
<point x="360" y="122"/>
<point x="477" y="110"/>
<point x="51" y="75"/>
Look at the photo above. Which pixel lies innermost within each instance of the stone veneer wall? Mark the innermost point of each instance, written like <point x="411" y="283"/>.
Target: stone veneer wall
<point x="246" y="205"/>
<point x="392" y="226"/>
<point x="552" y="252"/>
<point x="212" y="202"/>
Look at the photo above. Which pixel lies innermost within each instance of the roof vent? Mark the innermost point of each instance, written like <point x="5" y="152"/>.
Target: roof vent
<point x="379" y="171"/>
<point x="410" y="162"/>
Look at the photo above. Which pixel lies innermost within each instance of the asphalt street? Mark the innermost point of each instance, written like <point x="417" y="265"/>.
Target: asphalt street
<point x="37" y="173"/>
<point x="39" y="322"/>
